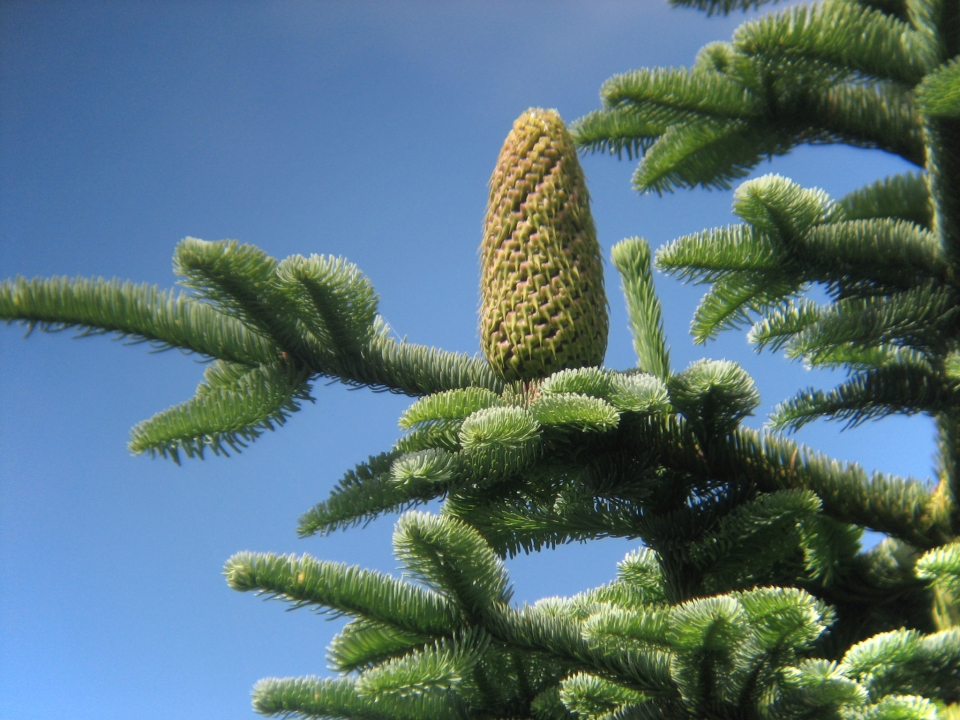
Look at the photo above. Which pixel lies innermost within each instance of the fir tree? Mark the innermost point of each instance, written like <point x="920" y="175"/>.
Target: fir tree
<point x="749" y="597"/>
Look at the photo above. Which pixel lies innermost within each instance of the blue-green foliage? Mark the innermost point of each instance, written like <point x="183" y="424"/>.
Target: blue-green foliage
<point x="749" y="596"/>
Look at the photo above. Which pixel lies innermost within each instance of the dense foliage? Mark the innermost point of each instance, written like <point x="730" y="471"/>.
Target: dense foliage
<point x="749" y="597"/>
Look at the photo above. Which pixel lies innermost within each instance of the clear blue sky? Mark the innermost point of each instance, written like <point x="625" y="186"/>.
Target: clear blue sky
<point x="366" y="130"/>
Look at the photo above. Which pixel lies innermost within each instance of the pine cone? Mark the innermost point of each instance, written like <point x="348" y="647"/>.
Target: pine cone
<point x="543" y="305"/>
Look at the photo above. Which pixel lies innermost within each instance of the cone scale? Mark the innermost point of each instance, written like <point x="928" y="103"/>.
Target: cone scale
<point x="543" y="306"/>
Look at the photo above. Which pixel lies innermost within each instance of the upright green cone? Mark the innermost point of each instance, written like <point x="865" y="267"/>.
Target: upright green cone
<point x="543" y="305"/>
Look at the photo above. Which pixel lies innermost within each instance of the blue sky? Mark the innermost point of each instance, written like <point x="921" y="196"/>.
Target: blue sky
<point x="367" y="130"/>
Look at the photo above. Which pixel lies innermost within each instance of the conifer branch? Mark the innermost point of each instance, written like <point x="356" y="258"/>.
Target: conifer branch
<point x="713" y="396"/>
<point x="451" y="557"/>
<point x="435" y="668"/>
<point x="531" y="629"/>
<point x="868" y="395"/>
<point x="671" y="95"/>
<point x="339" y="589"/>
<point x="338" y="698"/>
<point x="883" y="251"/>
<point x="240" y="279"/>
<point x="756" y="537"/>
<point x="362" y="495"/>
<point x="878" y="115"/>
<point x="704" y="152"/>
<point x="847" y="38"/>
<point x="900" y="197"/>
<point x="363" y="643"/>
<point x="903" y="508"/>
<point x="618" y="131"/>
<point x="721" y="7"/>
<point x="227" y="412"/>
<point x="632" y="258"/>
<point x="708" y="255"/>
<point x="938" y="99"/>
<point x="919" y="318"/>
<point x="513" y="524"/>
<point x="333" y="299"/>
<point x="417" y="369"/>
<point x="140" y="312"/>
<point x="904" y="662"/>
<point x="730" y="301"/>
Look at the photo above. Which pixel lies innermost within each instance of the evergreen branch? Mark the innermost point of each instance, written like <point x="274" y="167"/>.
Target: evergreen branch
<point x="342" y="590"/>
<point x="903" y="508"/>
<point x="338" y="699"/>
<point x="512" y="525"/>
<point x="439" y="666"/>
<point x="731" y="299"/>
<point x="613" y="628"/>
<point x="885" y="251"/>
<point x="240" y="279"/>
<point x="816" y="688"/>
<point x="705" y="127"/>
<point x="708" y="255"/>
<point x="713" y="396"/>
<point x="917" y="318"/>
<point x="939" y="99"/>
<point x="783" y="209"/>
<point x="868" y="395"/>
<point x="454" y="559"/>
<point x="721" y="7"/>
<point x="941" y="566"/>
<point x="898" y="707"/>
<point x="593" y="698"/>
<point x="856" y="40"/>
<point x="670" y="95"/>
<point x="314" y="697"/>
<point x="433" y="465"/>
<point x="337" y="303"/>
<point x="717" y="56"/>
<point x="532" y="629"/>
<point x="226" y="413"/>
<point x="141" y="312"/>
<point x="450" y="405"/>
<point x="854" y="358"/>
<point x="877" y="115"/>
<point x="639" y="393"/>
<point x="572" y="411"/>
<point x="439" y="434"/>
<point x="593" y="381"/>
<point x="362" y="495"/>
<point x="752" y="540"/>
<point x="829" y="548"/>
<point x="785" y="617"/>
<point x="779" y="325"/>
<point x="257" y="332"/>
<point x="906" y="662"/>
<point x="936" y="21"/>
<point x="363" y="643"/>
<point x="632" y="259"/>
<point x="640" y="570"/>
<point x="416" y="369"/>
<point x="506" y="427"/>
<point x="706" y="635"/>
<point x="617" y="131"/>
<point x="488" y="465"/>
<point x="705" y="152"/>
<point x="939" y="94"/>
<point x="900" y="197"/>
<point x="333" y="299"/>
